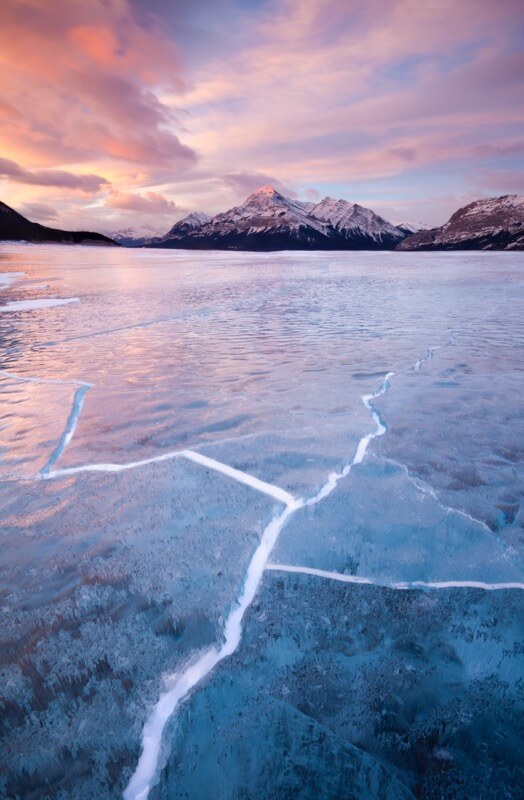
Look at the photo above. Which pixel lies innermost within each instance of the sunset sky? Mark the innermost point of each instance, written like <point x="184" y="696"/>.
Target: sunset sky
<point x="117" y="113"/>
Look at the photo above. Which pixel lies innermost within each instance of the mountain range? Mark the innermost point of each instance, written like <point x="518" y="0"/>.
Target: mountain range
<point x="269" y="221"/>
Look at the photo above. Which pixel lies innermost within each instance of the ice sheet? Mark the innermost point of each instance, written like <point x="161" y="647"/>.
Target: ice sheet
<point x="351" y="421"/>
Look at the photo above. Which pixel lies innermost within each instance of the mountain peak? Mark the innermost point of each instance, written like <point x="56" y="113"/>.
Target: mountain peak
<point x="262" y="192"/>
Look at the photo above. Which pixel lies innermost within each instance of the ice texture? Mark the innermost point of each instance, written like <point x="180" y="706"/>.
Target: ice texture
<point x="380" y="525"/>
<point x="267" y="509"/>
<point x="110" y="581"/>
<point x="426" y="688"/>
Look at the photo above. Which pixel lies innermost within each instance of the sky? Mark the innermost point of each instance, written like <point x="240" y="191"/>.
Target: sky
<point x="132" y="113"/>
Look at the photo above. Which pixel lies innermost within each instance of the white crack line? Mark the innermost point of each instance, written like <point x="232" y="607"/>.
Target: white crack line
<point x="243" y="477"/>
<point x="362" y="446"/>
<point x="425" y="488"/>
<point x="147" y="769"/>
<point x="428" y="357"/>
<point x="343" y="578"/>
<point x="72" y="422"/>
<point x="218" y="466"/>
<point x="74" y="415"/>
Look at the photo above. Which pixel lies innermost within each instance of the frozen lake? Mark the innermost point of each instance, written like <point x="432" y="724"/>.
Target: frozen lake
<point x="262" y="525"/>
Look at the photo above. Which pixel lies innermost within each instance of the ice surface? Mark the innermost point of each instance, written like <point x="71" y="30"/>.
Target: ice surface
<point x="426" y="684"/>
<point x="378" y="524"/>
<point x="154" y="439"/>
<point x="33" y="418"/>
<point x="108" y="583"/>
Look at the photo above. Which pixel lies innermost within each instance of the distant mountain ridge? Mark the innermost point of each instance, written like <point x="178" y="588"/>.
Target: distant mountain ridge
<point x="493" y="223"/>
<point x="15" y="227"/>
<point x="269" y="221"/>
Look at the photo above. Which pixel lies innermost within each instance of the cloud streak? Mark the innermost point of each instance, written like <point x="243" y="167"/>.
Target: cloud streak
<point x="150" y="203"/>
<point x="51" y="177"/>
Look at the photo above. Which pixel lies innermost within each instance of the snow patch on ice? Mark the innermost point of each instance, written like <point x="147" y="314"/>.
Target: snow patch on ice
<point x="43" y="302"/>
<point x="8" y="278"/>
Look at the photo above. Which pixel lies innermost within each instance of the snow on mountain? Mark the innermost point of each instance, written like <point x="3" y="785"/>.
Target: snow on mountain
<point x="264" y="211"/>
<point x="183" y="227"/>
<point x="135" y="236"/>
<point x="269" y="221"/>
<point x="352" y="220"/>
<point x="492" y="223"/>
<point x="412" y="227"/>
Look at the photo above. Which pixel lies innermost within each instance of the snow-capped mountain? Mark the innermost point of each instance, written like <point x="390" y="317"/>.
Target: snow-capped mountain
<point x="193" y="222"/>
<point x="355" y="222"/>
<point x="409" y="228"/>
<point x="493" y="223"/>
<point x="269" y="221"/>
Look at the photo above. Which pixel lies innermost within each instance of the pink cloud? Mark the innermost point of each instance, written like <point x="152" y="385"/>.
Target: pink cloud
<point x="83" y="81"/>
<point x="335" y="91"/>
<point x="50" y="177"/>
<point x="150" y="203"/>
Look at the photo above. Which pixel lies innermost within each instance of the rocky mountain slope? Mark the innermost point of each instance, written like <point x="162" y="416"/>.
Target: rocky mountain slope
<point x="269" y="221"/>
<point x="355" y="223"/>
<point x="493" y="223"/>
<point x="193" y="222"/>
<point x="15" y="227"/>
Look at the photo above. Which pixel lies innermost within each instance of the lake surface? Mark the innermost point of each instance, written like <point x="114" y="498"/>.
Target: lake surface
<point x="262" y="524"/>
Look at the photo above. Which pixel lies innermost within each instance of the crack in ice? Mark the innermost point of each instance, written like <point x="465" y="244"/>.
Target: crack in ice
<point x="403" y="585"/>
<point x="362" y="446"/>
<point x="72" y="420"/>
<point x="31" y="379"/>
<point x="146" y="770"/>
<point x="191" y="455"/>
<point x="144" y="776"/>
<point x="430" y="353"/>
<point x="426" y="488"/>
<point x="241" y="477"/>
